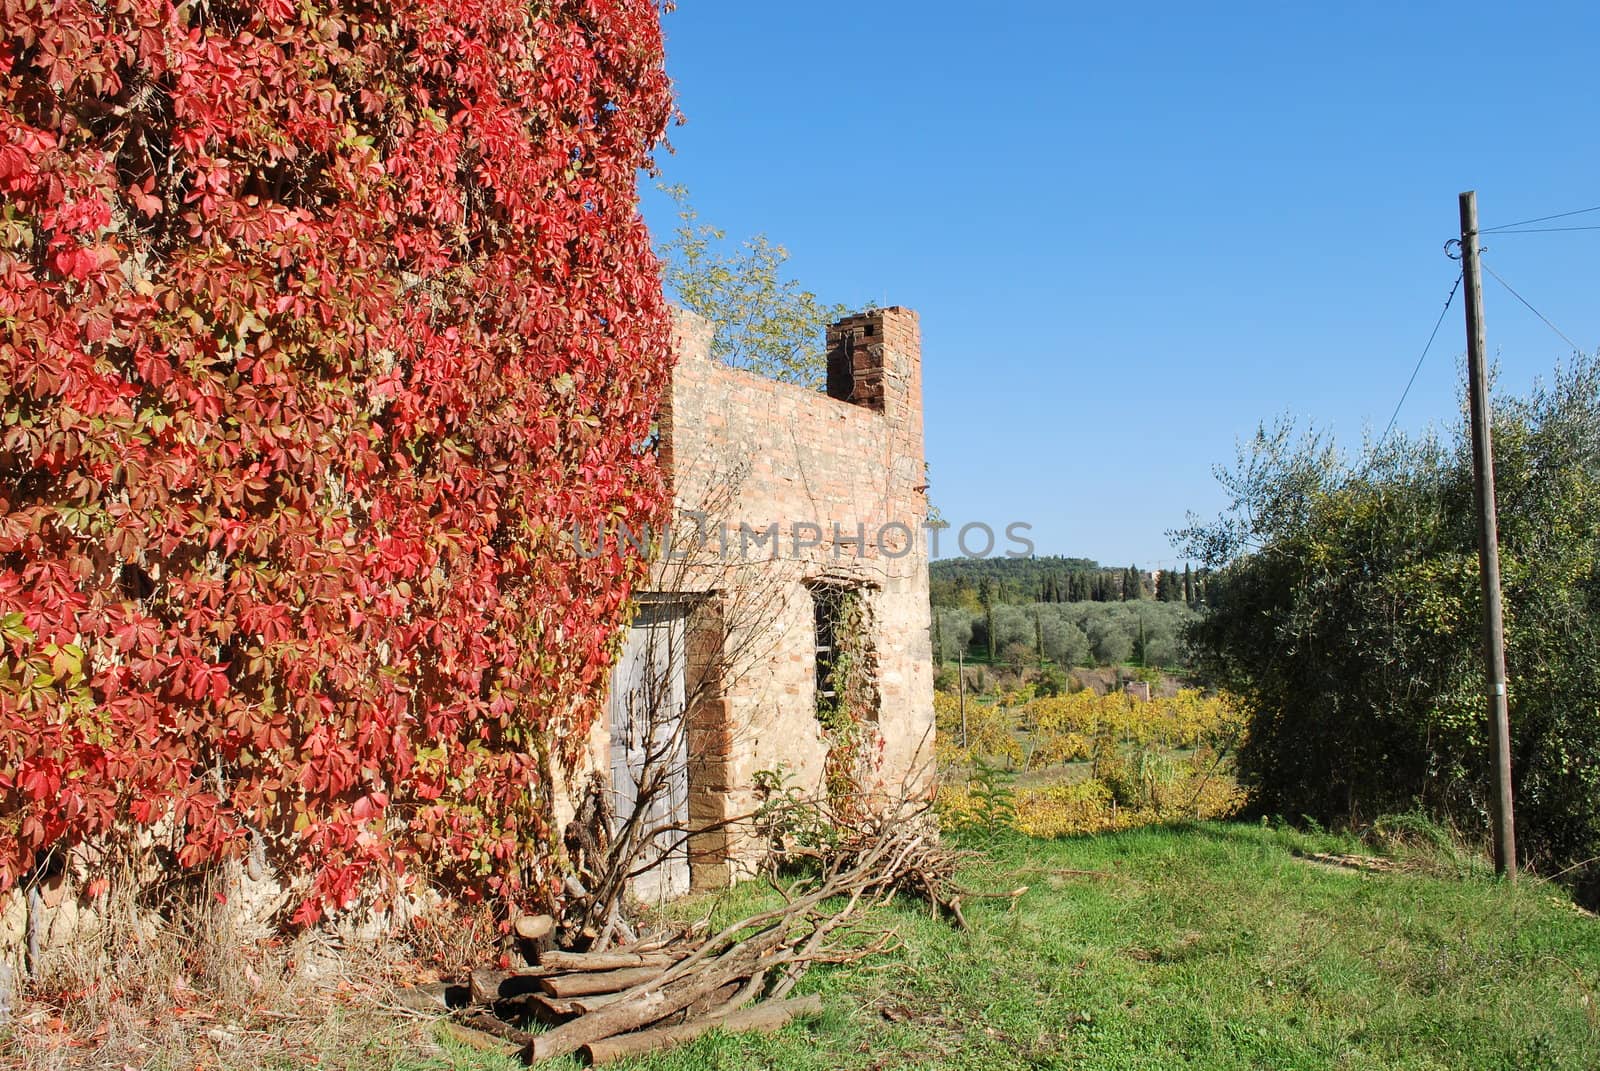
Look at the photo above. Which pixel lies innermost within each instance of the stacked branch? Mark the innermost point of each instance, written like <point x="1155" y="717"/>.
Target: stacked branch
<point x="659" y="992"/>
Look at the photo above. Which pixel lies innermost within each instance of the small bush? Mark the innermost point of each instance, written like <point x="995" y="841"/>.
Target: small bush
<point x="1052" y="682"/>
<point x="984" y="805"/>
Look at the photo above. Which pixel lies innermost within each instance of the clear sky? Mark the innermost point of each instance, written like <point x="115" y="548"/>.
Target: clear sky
<point x="1135" y="231"/>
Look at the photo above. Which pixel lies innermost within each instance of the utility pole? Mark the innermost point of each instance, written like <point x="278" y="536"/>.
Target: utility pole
<point x="1494" y="649"/>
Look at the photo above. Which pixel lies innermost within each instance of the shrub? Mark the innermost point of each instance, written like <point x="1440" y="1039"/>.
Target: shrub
<point x="991" y="732"/>
<point x="1070" y="810"/>
<point x="1140" y="778"/>
<point x="954" y="633"/>
<point x="981" y="803"/>
<point x="1052" y="682"/>
<point x="1347" y="619"/>
<point x="994" y="809"/>
<point x="1165" y="789"/>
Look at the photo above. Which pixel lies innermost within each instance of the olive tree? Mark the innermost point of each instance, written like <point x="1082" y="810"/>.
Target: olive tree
<point x="1345" y="613"/>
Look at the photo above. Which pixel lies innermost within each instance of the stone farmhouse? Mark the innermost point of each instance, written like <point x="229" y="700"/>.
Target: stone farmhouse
<point x="797" y="555"/>
<point x="792" y="506"/>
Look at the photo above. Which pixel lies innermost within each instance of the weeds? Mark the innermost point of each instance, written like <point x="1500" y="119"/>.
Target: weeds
<point x="1208" y="945"/>
<point x="992" y="810"/>
<point x="175" y="975"/>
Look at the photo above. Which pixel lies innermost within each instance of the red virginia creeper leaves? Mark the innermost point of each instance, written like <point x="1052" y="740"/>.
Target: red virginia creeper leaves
<point x="284" y="291"/>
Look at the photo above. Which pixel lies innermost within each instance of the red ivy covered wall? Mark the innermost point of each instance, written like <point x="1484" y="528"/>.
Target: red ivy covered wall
<point x="319" y="321"/>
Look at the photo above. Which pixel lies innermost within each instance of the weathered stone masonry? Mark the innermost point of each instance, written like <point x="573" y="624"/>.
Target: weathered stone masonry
<point x="799" y="489"/>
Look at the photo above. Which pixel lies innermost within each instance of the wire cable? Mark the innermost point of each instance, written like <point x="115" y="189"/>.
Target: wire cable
<point x="1538" y="219"/>
<point x="1410" y="382"/>
<point x="1575" y="347"/>
<point x="1542" y="230"/>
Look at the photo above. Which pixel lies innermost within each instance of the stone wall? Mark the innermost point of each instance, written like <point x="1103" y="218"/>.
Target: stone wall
<point x="779" y="488"/>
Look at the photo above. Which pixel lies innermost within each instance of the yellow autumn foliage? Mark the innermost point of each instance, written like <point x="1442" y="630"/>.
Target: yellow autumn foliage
<point x="1092" y="806"/>
<point x="1064" y="726"/>
<point x="991" y="729"/>
<point x="1154" y="761"/>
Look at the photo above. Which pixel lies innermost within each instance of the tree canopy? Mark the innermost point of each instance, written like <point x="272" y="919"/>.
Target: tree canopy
<point x="765" y="322"/>
<point x="1346" y="613"/>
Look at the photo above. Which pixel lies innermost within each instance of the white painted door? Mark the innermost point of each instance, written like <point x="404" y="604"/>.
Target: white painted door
<point x="647" y="736"/>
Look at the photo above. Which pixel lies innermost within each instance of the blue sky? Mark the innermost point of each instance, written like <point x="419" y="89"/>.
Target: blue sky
<point x="1133" y="233"/>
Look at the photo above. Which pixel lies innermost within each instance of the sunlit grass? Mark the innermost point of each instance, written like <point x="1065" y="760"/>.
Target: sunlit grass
<point x="1207" y="946"/>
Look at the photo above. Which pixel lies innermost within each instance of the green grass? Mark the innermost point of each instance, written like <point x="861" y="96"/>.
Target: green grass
<point x="1208" y="946"/>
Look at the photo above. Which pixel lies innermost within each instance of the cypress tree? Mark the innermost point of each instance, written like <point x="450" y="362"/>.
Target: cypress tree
<point x="986" y="599"/>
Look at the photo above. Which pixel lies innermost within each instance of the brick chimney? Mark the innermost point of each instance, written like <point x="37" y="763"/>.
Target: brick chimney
<point x="875" y="361"/>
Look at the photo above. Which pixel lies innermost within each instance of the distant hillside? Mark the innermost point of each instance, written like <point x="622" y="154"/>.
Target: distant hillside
<point x="1070" y="611"/>
<point x="960" y="582"/>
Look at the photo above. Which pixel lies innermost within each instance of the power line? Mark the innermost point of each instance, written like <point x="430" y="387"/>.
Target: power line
<point x="1542" y="230"/>
<point x="1540" y="219"/>
<point x="1410" y="382"/>
<point x="1575" y="347"/>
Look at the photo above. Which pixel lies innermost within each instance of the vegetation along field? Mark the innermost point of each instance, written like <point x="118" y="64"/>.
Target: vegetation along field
<point x="1205" y="945"/>
<point x="1211" y="946"/>
<point x="1081" y="762"/>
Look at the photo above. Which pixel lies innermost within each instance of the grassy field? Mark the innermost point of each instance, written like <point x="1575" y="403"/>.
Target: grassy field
<point x="1206" y="946"/>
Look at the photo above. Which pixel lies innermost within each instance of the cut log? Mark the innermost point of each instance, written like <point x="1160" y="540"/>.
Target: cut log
<point x="657" y="942"/>
<point x="485" y="1023"/>
<point x="713" y="1001"/>
<point x="534" y="927"/>
<point x="489" y="985"/>
<point x="562" y="962"/>
<point x="587" y="983"/>
<point x="704" y="1006"/>
<point x="763" y="1017"/>
<point x="616" y="925"/>
<point x="717" y="1003"/>
<point x="642" y="987"/>
<point x="431" y="999"/>
<point x="551" y="1009"/>
<point x="648" y="1003"/>
<point x="585" y="1005"/>
<point x="479" y="1040"/>
<point x="485" y="984"/>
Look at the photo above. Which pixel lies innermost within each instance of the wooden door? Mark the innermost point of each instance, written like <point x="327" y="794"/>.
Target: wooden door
<point x="646" y="721"/>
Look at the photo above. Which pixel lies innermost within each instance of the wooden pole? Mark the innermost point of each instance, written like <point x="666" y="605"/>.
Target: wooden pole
<point x="1505" y="842"/>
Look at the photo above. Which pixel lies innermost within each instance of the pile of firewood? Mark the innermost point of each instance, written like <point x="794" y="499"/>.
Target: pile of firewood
<point x="662" y="989"/>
